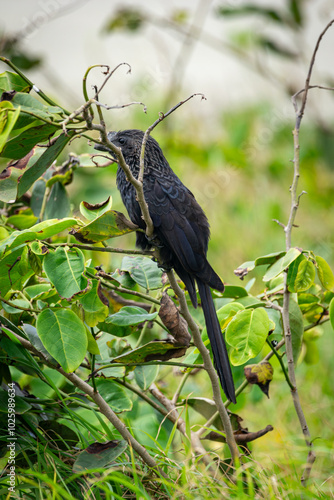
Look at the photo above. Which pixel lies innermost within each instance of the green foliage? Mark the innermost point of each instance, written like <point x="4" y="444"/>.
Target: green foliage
<point x="86" y="320"/>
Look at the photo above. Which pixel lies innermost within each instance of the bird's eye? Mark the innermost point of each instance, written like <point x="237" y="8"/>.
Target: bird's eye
<point x="121" y="140"/>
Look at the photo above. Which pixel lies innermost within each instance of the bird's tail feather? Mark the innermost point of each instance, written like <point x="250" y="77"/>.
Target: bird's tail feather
<point x="217" y="341"/>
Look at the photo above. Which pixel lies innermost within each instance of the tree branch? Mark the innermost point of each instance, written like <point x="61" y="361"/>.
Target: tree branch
<point x="103" y="407"/>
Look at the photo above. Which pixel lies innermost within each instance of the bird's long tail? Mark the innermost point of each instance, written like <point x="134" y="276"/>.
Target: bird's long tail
<point x="217" y="341"/>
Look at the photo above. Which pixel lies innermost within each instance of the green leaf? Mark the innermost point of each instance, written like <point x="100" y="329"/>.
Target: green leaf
<point x="8" y="117"/>
<point x="245" y="10"/>
<point x="39" y="290"/>
<point x="117" y="331"/>
<point x="108" y="225"/>
<point x="234" y="292"/>
<point x="13" y="81"/>
<point x="281" y="264"/>
<point x="146" y="375"/>
<point x="20" y="145"/>
<point x="92" y="212"/>
<point x="305" y="276"/>
<point x="23" y="219"/>
<point x="19" y="302"/>
<point x="247" y="333"/>
<point x="325" y="274"/>
<point x="331" y="312"/>
<point x="95" y="310"/>
<point x="144" y="353"/>
<point x="41" y="231"/>
<point x="292" y="272"/>
<point x="43" y="163"/>
<point x="116" y="397"/>
<point x="10" y="275"/>
<point x="58" y="204"/>
<point x="99" y="455"/>
<point x="63" y="336"/>
<point x="297" y="328"/>
<point x="64" y="268"/>
<point x="130" y="316"/>
<point x="143" y="271"/>
<point x="269" y="259"/>
<point x="32" y="334"/>
<point x="227" y="312"/>
<point x="92" y="346"/>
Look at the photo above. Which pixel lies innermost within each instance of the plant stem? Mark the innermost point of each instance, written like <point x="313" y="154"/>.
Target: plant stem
<point x="209" y="368"/>
<point x="280" y="362"/>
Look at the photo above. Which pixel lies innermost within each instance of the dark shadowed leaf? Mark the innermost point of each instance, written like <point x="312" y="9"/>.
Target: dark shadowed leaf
<point x="260" y="374"/>
<point x="99" y="455"/>
<point x="43" y="163"/>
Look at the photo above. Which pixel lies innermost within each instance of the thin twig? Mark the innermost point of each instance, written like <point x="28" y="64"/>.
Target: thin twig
<point x="286" y="294"/>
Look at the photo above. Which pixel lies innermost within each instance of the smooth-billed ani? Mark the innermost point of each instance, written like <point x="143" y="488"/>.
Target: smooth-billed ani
<point x="181" y="228"/>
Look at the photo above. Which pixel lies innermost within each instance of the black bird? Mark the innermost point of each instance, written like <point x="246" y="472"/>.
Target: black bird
<point x="181" y="228"/>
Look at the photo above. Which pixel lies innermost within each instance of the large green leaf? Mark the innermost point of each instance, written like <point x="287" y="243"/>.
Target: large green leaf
<point x="40" y="231"/>
<point x="247" y="333"/>
<point x="20" y="145"/>
<point x="42" y="164"/>
<point x="281" y="264"/>
<point x="108" y="225"/>
<point x="143" y="271"/>
<point x="64" y="336"/>
<point x="64" y="268"/>
<point x="130" y="316"/>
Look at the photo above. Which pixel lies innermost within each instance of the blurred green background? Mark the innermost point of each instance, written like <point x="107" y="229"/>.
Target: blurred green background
<point x="233" y="151"/>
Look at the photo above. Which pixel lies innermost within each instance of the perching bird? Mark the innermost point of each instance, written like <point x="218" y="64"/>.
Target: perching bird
<point x="181" y="228"/>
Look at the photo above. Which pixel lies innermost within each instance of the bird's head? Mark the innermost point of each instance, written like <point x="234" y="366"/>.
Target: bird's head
<point x="128" y="140"/>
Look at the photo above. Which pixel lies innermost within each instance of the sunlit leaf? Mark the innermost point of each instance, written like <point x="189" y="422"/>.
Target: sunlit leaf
<point x="325" y="274"/>
<point x="281" y="264"/>
<point x="247" y="333"/>
<point x="64" y="268"/>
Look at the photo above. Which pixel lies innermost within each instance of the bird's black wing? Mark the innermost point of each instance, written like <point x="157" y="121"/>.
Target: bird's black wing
<point x="182" y="226"/>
